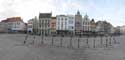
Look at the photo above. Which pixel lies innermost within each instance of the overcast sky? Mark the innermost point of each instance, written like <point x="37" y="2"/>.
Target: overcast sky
<point x="109" y="10"/>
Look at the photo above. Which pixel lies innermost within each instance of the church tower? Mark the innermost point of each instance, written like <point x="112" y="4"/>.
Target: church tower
<point x="78" y="23"/>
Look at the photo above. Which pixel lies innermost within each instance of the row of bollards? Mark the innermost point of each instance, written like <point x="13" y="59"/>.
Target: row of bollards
<point x="94" y="42"/>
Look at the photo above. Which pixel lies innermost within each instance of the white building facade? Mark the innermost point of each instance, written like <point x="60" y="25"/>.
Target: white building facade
<point x="18" y="26"/>
<point x="30" y="26"/>
<point x="14" y="24"/>
<point x="65" y="23"/>
<point x="71" y="22"/>
<point x="86" y="26"/>
<point x="122" y="29"/>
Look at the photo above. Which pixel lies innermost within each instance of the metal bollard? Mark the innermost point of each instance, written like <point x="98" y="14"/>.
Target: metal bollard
<point x="61" y="40"/>
<point x="114" y="40"/>
<point x="106" y="41"/>
<point x="71" y="42"/>
<point x="87" y="41"/>
<point x="101" y="42"/>
<point x="78" y="42"/>
<point x="52" y="41"/>
<point x="110" y="40"/>
<point x="42" y="41"/>
<point x="33" y="40"/>
<point x="94" y="42"/>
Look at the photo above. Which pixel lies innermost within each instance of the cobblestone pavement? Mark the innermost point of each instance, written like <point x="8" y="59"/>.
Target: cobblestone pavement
<point x="12" y="48"/>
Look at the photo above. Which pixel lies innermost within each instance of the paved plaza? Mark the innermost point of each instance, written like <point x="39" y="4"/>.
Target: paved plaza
<point x="12" y="47"/>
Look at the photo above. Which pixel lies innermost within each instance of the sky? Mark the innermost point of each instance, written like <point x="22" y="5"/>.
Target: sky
<point x="105" y="10"/>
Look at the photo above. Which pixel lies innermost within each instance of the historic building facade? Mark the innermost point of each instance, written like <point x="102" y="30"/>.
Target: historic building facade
<point x="93" y="26"/>
<point x="86" y="26"/>
<point x="53" y="25"/>
<point x="44" y="23"/>
<point x="65" y="24"/>
<point x="104" y="27"/>
<point x="78" y="23"/>
<point x="14" y="24"/>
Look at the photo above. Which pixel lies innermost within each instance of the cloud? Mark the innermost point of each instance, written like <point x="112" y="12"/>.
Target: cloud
<point x="8" y="8"/>
<point x="111" y="10"/>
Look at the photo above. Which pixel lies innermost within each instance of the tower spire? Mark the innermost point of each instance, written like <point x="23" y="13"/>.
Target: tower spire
<point x="78" y="13"/>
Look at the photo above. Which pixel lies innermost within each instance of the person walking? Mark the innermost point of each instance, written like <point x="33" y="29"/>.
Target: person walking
<point x="25" y="39"/>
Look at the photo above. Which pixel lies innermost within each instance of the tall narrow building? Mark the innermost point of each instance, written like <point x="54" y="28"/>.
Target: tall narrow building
<point x="78" y="23"/>
<point x="86" y="28"/>
<point x="92" y="26"/>
<point x="65" y="24"/>
<point x="53" y="25"/>
<point x="44" y="23"/>
<point x="61" y="25"/>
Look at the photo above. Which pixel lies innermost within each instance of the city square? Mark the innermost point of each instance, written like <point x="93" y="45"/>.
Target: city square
<point x="62" y="30"/>
<point x="13" y="48"/>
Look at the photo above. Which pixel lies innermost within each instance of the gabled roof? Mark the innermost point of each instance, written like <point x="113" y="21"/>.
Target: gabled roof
<point x="45" y="15"/>
<point x="12" y="19"/>
<point x="3" y="20"/>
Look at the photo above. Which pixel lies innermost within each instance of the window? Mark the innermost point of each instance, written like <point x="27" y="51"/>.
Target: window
<point x="61" y="25"/>
<point x="61" y="18"/>
<point x="65" y="23"/>
<point x="70" y="22"/>
<point x="70" y="17"/>
<point x="58" y="23"/>
<point x="48" y="25"/>
<point x="17" y="23"/>
<point x="40" y="24"/>
<point x="66" y="19"/>
<point x="58" y="18"/>
<point x="29" y="26"/>
<point x="70" y="27"/>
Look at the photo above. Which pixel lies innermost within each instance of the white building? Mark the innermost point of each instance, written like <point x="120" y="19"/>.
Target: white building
<point x="14" y="24"/>
<point x="3" y="27"/>
<point x="71" y="22"/>
<point x="18" y="26"/>
<point x="30" y="26"/>
<point x="44" y="23"/>
<point x="65" y="23"/>
<point x="86" y="24"/>
<point x="122" y="29"/>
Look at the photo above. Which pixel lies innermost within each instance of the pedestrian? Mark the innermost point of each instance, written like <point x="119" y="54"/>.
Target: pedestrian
<point x="25" y="39"/>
